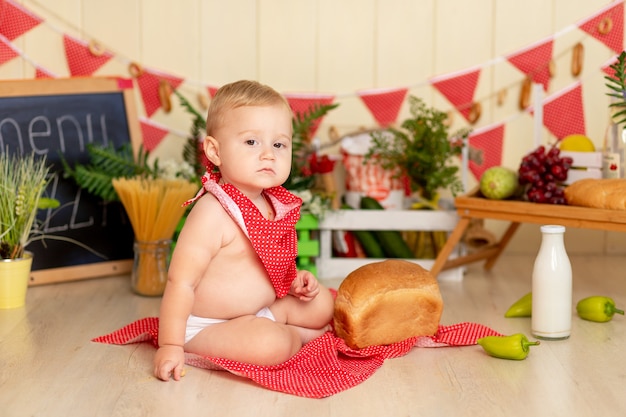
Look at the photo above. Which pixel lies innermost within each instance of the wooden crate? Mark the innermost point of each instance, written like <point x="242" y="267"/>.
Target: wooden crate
<point x="423" y="220"/>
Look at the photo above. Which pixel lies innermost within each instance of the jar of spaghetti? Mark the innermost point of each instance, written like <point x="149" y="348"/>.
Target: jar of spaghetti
<point x="150" y="265"/>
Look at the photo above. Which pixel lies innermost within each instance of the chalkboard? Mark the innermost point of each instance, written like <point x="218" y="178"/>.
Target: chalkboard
<point x="55" y="117"/>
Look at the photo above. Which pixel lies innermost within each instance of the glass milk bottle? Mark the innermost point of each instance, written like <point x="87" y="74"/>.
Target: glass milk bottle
<point x="552" y="287"/>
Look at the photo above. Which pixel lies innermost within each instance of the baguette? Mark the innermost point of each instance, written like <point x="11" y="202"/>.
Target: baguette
<point x="607" y="193"/>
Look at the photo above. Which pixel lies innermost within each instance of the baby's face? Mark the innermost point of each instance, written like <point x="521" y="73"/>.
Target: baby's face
<point x="255" y="147"/>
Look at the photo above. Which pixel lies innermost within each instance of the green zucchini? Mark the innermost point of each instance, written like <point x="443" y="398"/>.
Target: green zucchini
<point x="391" y="240"/>
<point x="367" y="240"/>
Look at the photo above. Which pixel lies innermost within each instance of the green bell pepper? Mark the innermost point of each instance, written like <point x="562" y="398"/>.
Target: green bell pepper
<point x="597" y="308"/>
<point x="516" y="346"/>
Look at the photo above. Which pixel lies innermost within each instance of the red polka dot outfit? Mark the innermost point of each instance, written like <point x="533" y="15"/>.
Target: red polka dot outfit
<point x="275" y="241"/>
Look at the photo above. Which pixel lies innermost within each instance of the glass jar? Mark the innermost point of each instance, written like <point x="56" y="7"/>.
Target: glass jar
<point x="150" y="265"/>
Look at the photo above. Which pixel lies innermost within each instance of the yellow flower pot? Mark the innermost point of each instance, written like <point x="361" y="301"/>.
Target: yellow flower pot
<point x="14" y="276"/>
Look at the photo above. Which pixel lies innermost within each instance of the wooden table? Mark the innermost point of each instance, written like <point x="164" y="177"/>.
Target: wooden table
<point x="516" y="212"/>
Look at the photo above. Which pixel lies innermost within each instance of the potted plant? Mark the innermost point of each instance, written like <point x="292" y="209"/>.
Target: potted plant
<point x="23" y="179"/>
<point x="422" y="151"/>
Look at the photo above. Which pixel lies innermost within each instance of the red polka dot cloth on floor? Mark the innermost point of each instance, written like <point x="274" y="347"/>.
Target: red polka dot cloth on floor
<point x="275" y="241"/>
<point x="323" y="367"/>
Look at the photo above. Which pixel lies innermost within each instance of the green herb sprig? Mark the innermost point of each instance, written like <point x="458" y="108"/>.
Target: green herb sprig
<point x="617" y="89"/>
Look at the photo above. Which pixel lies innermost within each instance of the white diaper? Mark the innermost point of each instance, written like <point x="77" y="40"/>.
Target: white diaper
<point x="195" y="324"/>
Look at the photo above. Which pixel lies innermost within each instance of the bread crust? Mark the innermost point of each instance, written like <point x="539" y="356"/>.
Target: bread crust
<point x="386" y="302"/>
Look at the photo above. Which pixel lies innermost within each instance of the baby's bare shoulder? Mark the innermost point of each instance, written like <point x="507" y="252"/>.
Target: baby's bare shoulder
<point x="208" y="215"/>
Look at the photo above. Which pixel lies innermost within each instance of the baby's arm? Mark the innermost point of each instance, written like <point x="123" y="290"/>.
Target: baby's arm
<point x="189" y="262"/>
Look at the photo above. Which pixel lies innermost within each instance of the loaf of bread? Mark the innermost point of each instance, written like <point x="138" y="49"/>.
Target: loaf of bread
<point x="386" y="302"/>
<point x="606" y="193"/>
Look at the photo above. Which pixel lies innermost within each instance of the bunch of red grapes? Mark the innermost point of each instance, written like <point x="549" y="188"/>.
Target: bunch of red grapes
<point x="543" y="173"/>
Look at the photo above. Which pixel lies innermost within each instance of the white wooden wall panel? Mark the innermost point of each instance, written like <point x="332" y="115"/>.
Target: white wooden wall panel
<point x="229" y="40"/>
<point x="288" y="45"/>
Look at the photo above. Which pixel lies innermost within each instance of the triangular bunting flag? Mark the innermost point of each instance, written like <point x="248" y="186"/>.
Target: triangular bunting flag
<point x="485" y="149"/>
<point x="384" y="104"/>
<point x="80" y="58"/>
<point x="301" y="104"/>
<point x="607" y="26"/>
<point x="534" y="61"/>
<point x="7" y="52"/>
<point x="606" y="68"/>
<point x="43" y="73"/>
<point x="563" y="112"/>
<point x="152" y="133"/>
<point x="459" y="89"/>
<point x="212" y="90"/>
<point x="15" y="20"/>
<point x="148" y="83"/>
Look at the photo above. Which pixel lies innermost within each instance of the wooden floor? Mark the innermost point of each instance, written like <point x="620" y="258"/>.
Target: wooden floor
<point x="49" y="367"/>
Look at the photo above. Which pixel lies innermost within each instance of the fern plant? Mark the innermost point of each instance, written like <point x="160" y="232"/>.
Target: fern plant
<point x="107" y="163"/>
<point x="617" y="89"/>
<point x="301" y="176"/>
<point x="192" y="150"/>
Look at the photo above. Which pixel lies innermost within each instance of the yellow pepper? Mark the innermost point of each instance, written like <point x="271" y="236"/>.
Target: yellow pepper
<point x="514" y="347"/>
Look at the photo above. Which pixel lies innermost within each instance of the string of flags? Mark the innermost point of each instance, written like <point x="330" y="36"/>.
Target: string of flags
<point x="563" y="110"/>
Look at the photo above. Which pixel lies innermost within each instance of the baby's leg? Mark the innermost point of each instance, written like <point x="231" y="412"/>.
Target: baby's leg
<point x="314" y="314"/>
<point x="306" y="334"/>
<point x="248" y="339"/>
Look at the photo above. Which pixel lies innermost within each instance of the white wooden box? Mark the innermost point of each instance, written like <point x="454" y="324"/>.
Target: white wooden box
<point x="335" y="267"/>
<point x="591" y="162"/>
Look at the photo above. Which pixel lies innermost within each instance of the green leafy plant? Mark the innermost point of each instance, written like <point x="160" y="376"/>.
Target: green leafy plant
<point x="107" y="163"/>
<point x="617" y="88"/>
<point x="192" y="150"/>
<point x="421" y="149"/>
<point x="23" y="180"/>
<point x="301" y="176"/>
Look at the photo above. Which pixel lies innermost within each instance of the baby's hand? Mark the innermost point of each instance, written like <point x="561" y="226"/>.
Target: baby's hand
<point x="169" y="361"/>
<point x="305" y="286"/>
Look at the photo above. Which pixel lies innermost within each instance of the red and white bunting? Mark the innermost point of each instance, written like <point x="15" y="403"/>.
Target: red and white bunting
<point x="384" y="104"/>
<point x="606" y="67"/>
<point x="148" y="83"/>
<point x="607" y="26"/>
<point x="534" y="61"/>
<point x="302" y="103"/>
<point x="212" y="90"/>
<point x="16" y="20"/>
<point x="7" y="51"/>
<point x="485" y="149"/>
<point x="41" y="72"/>
<point x="153" y="133"/>
<point x="83" y="60"/>
<point x="459" y="88"/>
<point x="563" y="112"/>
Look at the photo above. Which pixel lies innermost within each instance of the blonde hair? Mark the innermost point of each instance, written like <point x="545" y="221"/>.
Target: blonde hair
<point x="238" y="94"/>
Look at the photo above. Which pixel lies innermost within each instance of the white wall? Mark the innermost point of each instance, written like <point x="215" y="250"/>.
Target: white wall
<point x="337" y="47"/>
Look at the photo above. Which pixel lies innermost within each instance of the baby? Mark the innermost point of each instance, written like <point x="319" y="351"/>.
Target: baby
<point x="233" y="290"/>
